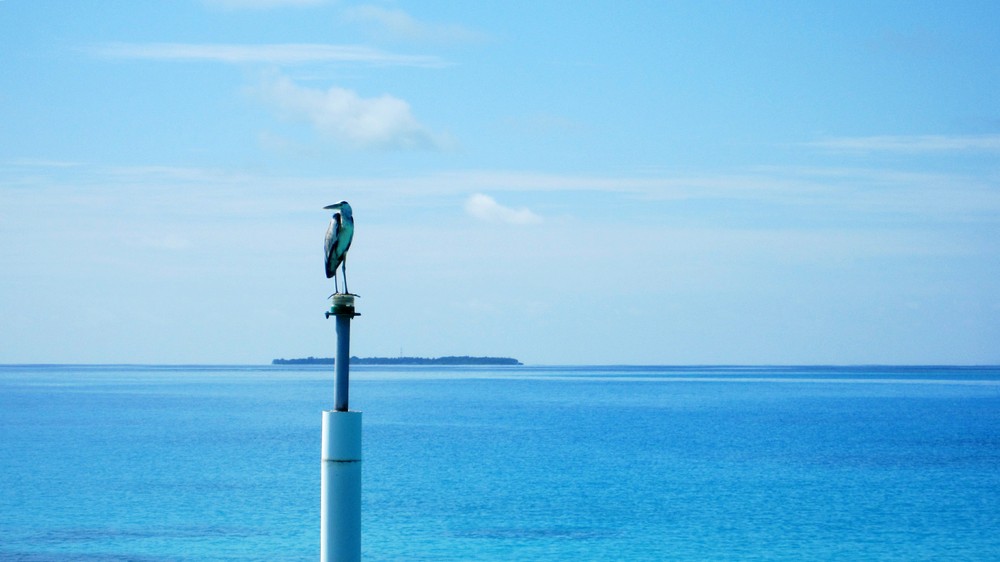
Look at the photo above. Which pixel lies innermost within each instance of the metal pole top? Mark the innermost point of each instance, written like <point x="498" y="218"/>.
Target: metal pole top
<point x="342" y="304"/>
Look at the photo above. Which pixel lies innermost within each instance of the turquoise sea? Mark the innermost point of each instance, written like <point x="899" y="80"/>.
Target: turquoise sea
<point x="155" y="463"/>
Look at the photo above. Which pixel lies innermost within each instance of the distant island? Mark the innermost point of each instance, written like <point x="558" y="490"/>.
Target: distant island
<point x="448" y="360"/>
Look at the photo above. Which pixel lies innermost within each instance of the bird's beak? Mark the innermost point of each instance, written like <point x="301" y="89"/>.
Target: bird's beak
<point x="334" y="206"/>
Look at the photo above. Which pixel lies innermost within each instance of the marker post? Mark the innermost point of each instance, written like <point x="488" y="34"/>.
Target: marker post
<point x="340" y="486"/>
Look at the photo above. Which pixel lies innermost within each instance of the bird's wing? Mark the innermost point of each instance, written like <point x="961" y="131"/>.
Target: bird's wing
<point x="330" y="246"/>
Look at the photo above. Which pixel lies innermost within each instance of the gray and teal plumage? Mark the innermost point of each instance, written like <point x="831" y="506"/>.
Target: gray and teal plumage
<point x="339" y="235"/>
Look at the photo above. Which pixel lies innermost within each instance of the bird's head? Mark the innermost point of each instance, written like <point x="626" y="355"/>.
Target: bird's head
<point x="342" y="206"/>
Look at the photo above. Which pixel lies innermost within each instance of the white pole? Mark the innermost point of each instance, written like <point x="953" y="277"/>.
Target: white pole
<point x="340" y="488"/>
<point x="340" y="485"/>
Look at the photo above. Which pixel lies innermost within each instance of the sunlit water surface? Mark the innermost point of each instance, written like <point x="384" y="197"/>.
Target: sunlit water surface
<point x="101" y="463"/>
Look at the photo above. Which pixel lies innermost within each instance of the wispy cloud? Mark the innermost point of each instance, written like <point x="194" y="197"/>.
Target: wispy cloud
<point x="776" y="196"/>
<point x="41" y="163"/>
<point x="380" y="122"/>
<point x="166" y="242"/>
<point x="485" y="208"/>
<point x="284" y="53"/>
<point x="259" y="4"/>
<point x="919" y="43"/>
<point x="545" y="124"/>
<point x="914" y="143"/>
<point x="397" y="24"/>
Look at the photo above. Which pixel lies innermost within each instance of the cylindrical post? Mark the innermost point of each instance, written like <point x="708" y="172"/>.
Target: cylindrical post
<point x="343" y="309"/>
<point x="340" y="502"/>
<point x="341" y="378"/>
<point x="340" y="485"/>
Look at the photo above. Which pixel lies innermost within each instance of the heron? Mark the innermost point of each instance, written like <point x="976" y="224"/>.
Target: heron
<point x="338" y="240"/>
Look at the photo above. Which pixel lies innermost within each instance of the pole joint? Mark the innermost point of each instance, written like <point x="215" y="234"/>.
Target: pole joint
<point x="342" y="305"/>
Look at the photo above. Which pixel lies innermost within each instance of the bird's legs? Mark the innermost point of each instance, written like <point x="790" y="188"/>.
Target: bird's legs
<point x="336" y="287"/>
<point x="343" y="268"/>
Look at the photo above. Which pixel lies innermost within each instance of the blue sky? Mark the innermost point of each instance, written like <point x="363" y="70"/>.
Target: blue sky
<point x="561" y="182"/>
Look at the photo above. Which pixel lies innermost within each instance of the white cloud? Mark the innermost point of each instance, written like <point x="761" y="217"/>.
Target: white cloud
<point x="285" y="53"/>
<point x="398" y="24"/>
<point x="380" y="122"/>
<point x="485" y="208"/>
<point x="913" y="143"/>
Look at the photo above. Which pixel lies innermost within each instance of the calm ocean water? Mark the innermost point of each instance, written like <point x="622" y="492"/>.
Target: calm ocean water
<point x="101" y="463"/>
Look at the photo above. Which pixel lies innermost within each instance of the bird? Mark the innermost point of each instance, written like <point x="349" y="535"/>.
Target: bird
<point x="338" y="240"/>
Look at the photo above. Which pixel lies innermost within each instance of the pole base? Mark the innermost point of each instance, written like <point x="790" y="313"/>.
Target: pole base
<point x="340" y="487"/>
